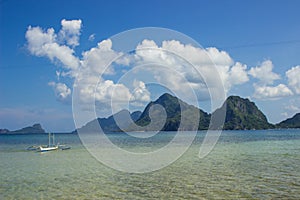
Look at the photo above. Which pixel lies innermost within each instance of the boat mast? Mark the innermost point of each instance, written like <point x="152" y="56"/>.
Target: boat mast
<point x="49" y="139"/>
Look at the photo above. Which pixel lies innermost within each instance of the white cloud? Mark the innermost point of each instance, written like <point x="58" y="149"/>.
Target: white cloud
<point x="140" y="92"/>
<point x="198" y="56"/>
<point x="95" y="80"/>
<point x="238" y="74"/>
<point x="293" y="76"/>
<point x="37" y="38"/>
<point x="62" y="53"/>
<point x="61" y="90"/>
<point x="167" y="68"/>
<point x="96" y="63"/>
<point x="43" y="43"/>
<point x="264" y="88"/>
<point x="107" y="90"/>
<point x="207" y="63"/>
<point x="92" y="37"/>
<point x="219" y="58"/>
<point x="97" y="59"/>
<point x="70" y="31"/>
<point x="270" y="92"/>
<point x="264" y="73"/>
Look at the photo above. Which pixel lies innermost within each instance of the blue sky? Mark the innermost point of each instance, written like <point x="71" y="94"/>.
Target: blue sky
<point x="258" y="34"/>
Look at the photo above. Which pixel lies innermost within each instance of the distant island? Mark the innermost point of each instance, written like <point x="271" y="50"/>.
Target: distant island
<point x="35" y="129"/>
<point x="293" y="122"/>
<point x="241" y="114"/>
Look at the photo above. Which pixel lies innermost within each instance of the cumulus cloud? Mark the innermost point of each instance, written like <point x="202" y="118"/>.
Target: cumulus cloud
<point x="91" y="81"/>
<point x="265" y="89"/>
<point x="185" y="66"/>
<point x="37" y="38"/>
<point x="70" y="31"/>
<point x="97" y="59"/>
<point x="198" y="56"/>
<point x="61" y="90"/>
<point x="106" y="90"/>
<point x="140" y="92"/>
<point x="271" y="92"/>
<point x="48" y="44"/>
<point x="44" y="43"/>
<point x="238" y="74"/>
<point x="264" y="73"/>
<point x="207" y="63"/>
<point x="293" y="76"/>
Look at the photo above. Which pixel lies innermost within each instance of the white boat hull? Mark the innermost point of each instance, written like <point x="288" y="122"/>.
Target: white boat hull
<point x="43" y="149"/>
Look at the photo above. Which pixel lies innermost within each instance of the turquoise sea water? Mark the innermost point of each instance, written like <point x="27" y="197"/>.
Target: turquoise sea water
<point x="243" y="165"/>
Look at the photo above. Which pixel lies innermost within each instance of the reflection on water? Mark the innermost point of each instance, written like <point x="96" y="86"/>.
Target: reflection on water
<point x="244" y="164"/>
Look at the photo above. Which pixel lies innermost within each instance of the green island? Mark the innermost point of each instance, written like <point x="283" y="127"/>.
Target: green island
<point x="240" y="114"/>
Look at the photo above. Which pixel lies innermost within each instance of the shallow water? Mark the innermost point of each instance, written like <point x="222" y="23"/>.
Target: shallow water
<point x="244" y="164"/>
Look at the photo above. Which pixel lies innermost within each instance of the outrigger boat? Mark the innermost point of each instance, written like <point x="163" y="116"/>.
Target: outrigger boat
<point x="50" y="146"/>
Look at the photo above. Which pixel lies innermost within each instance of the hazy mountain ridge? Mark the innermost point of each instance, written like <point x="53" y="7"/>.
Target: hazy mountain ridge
<point x="241" y="114"/>
<point x="109" y="124"/>
<point x="293" y="122"/>
<point x="36" y="129"/>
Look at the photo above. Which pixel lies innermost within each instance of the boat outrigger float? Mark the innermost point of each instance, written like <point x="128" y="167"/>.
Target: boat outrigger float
<point x="51" y="146"/>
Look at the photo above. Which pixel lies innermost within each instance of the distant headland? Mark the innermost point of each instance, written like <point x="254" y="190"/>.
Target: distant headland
<point x="34" y="129"/>
<point x="241" y="114"/>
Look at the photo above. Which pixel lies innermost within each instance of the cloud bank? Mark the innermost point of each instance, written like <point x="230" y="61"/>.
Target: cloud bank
<point x="96" y="69"/>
